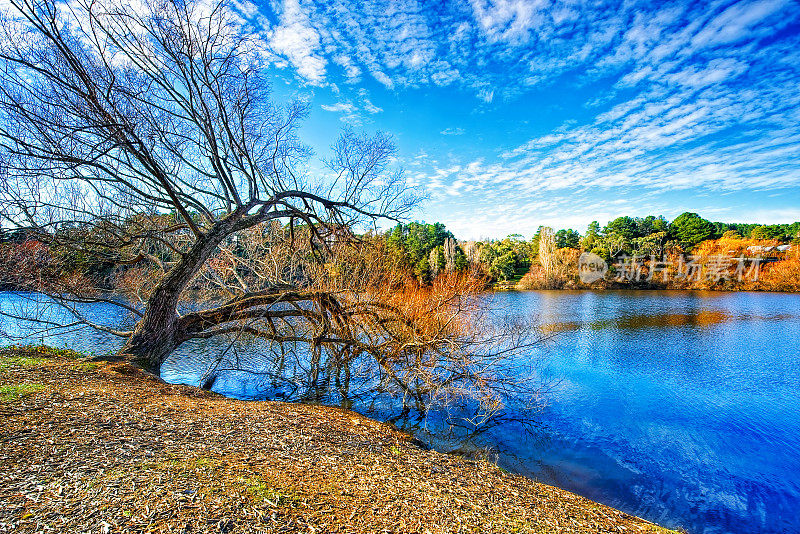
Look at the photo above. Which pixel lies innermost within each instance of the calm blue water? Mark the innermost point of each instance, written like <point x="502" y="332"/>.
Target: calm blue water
<point x="680" y="407"/>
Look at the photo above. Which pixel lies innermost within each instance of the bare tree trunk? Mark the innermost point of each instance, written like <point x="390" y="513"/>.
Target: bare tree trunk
<point x="547" y="253"/>
<point x="157" y="334"/>
<point x="433" y="262"/>
<point x="159" y="331"/>
<point x="450" y="254"/>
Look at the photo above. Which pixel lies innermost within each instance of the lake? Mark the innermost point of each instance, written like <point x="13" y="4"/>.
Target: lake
<point x="679" y="407"/>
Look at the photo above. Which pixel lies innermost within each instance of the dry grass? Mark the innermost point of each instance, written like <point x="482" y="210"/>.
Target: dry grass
<point x="109" y="449"/>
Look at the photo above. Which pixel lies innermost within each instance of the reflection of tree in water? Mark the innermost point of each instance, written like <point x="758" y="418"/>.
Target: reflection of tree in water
<point x="452" y="405"/>
<point x="698" y="318"/>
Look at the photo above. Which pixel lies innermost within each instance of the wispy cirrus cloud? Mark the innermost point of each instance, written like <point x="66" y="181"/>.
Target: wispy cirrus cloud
<point x="344" y="107"/>
<point x="509" y="44"/>
<point x="296" y="39"/>
<point x="453" y="131"/>
<point x="679" y="96"/>
<point x="352" y="113"/>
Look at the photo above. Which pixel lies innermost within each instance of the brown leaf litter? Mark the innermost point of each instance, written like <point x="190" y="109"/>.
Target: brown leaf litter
<point x="87" y="448"/>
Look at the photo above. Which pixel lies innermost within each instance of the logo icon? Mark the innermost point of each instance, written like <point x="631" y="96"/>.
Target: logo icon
<point x="591" y="267"/>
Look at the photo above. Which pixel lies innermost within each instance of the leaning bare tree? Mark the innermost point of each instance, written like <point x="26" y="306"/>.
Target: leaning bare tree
<point x="146" y="137"/>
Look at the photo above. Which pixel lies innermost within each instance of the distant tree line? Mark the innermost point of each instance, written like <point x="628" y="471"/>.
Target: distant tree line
<point x="654" y="243"/>
<point x="652" y="235"/>
<point x="427" y="249"/>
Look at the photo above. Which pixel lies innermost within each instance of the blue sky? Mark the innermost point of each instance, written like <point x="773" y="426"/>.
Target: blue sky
<point x="510" y="114"/>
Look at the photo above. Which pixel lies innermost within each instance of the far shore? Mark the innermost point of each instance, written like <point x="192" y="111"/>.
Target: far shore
<point x="504" y="287"/>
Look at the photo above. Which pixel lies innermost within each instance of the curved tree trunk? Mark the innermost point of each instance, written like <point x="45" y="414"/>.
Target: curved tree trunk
<point x="159" y="331"/>
<point x="156" y="335"/>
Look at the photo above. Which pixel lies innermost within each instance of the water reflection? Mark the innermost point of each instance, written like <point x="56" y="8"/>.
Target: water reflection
<point x="696" y="319"/>
<point x="680" y="407"/>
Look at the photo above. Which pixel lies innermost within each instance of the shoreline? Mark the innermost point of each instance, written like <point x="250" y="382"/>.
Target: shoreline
<point x="626" y="288"/>
<point x="102" y="448"/>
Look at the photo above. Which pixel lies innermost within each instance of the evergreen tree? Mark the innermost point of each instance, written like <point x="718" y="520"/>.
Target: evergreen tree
<point x="689" y="229"/>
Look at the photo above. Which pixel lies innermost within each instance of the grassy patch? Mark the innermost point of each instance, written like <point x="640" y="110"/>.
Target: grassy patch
<point x="87" y="366"/>
<point x="38" y="352"/>
<point x="15" y="391"/>
<point x="261" y="491"/>
<point x="39" y="356"/>
<point x="11" y="360"/>
<point x="211" y="479"/>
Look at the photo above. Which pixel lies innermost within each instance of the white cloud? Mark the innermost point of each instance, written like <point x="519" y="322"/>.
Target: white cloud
<point x="737" y="22"/>
<point x="681" y="96"/>
<point x="453" y="131"/>
<point x="340" y="107"/>
<point x="510" y="20"/>
<point x="371" y="108"/>
<point x="297" y="40"/>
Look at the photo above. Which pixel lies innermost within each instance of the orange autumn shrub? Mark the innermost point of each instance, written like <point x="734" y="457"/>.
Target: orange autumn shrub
<point x="781" y="275"/>
<point x="450" y="304"/>
<point x="731" y="246"/>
